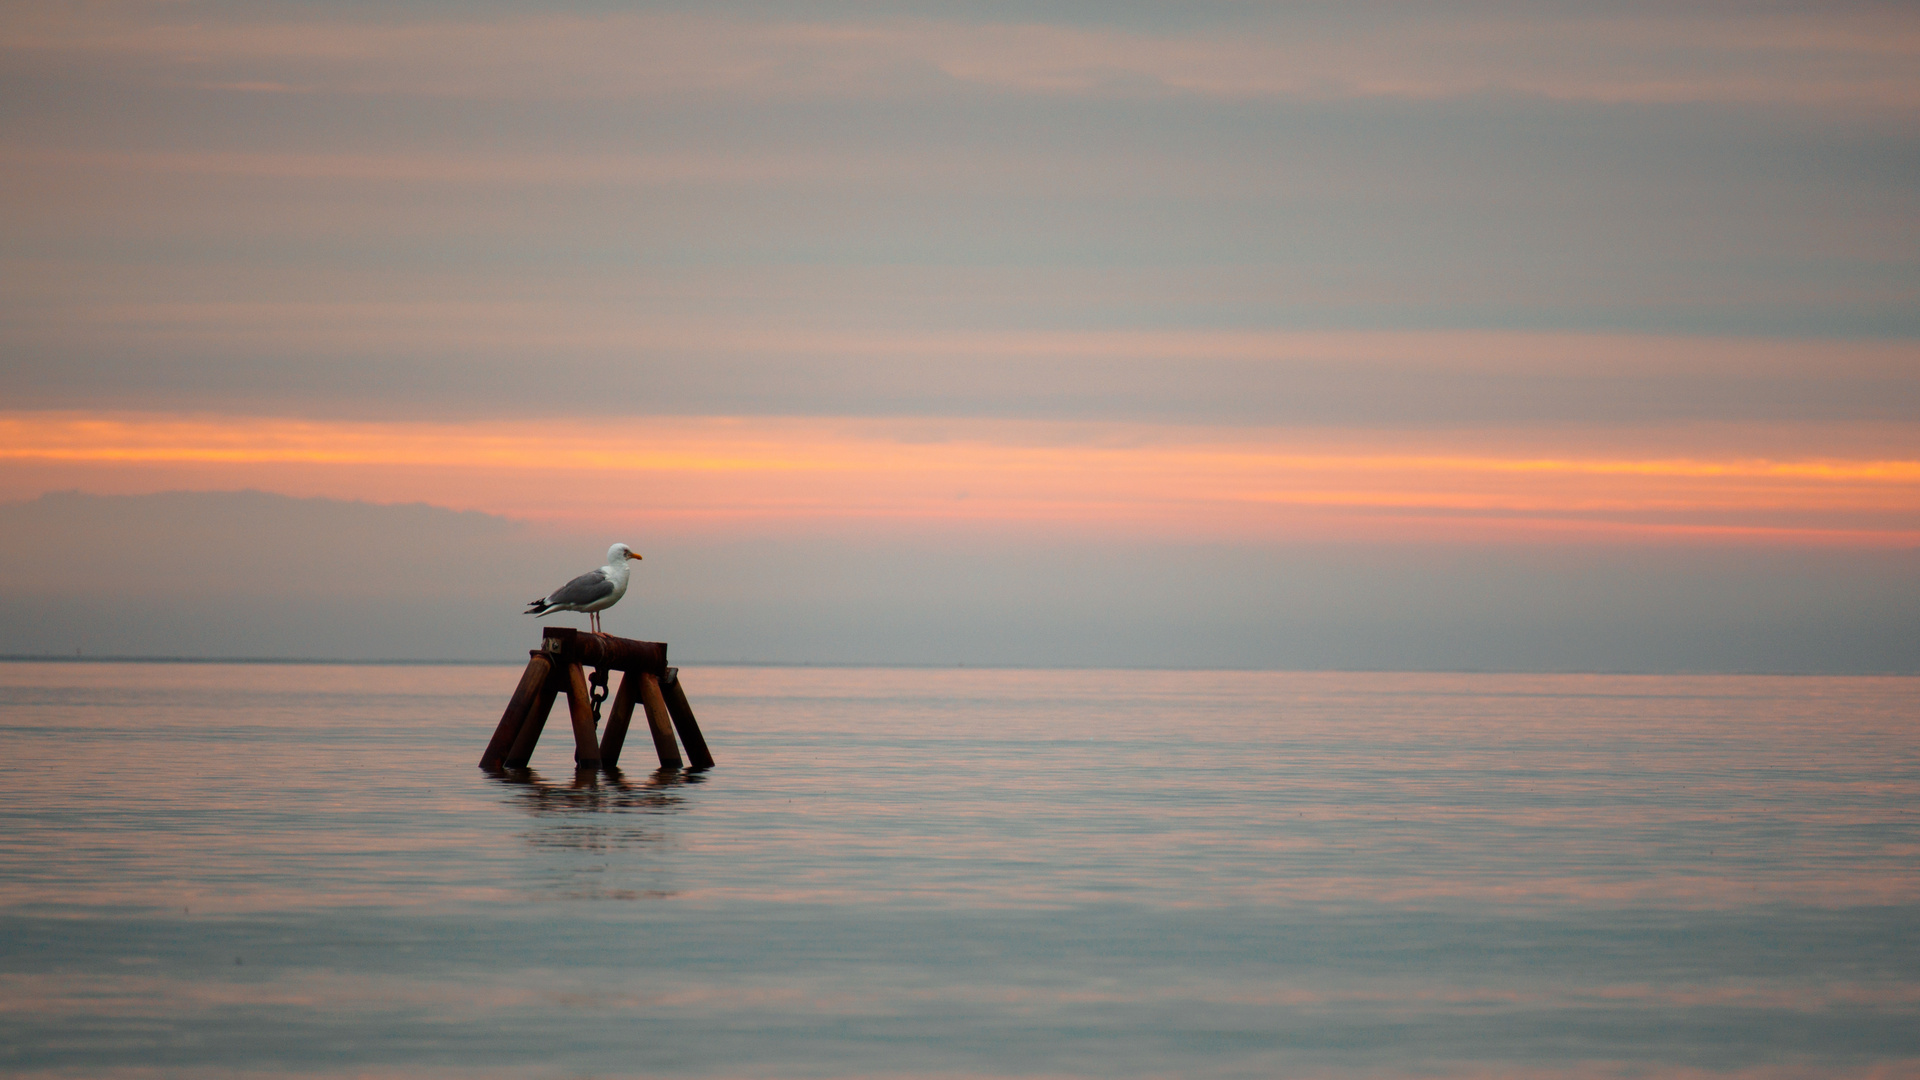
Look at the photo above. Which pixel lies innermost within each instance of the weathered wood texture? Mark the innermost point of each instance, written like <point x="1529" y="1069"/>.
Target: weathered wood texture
<point x="682" y="714"/>
<point x="570" y="646"/>
<point x="659" y="722"/>
<point x="536" y="720"/>
<point x="518" y="706"/>
<point x="586" y="741"/>
<point x="614" y="736"/>
<point x="558" y="667"/>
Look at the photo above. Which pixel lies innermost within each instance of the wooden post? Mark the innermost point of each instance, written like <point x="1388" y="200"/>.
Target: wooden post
<point x="535" y="722"/>
<point x="615" y="735"/>
<point x="586" y="744"/>
<point x="658" y="721"/>
<point x="517" y="707"/>
<point x="683" y="719"/>
<point x="559" y="667"/>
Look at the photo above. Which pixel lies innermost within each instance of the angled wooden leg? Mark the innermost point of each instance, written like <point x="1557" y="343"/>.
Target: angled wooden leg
<point x="683" y="719"/>
<point x="586" y="746"/>
<point x="658" y="722"/>
<point x="615" y="735"/>
<point x="518" y="706"/>
<point x="535" y="722"/>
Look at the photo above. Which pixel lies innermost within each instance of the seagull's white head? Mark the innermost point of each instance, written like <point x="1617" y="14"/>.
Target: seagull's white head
<point x="618" y="554"/>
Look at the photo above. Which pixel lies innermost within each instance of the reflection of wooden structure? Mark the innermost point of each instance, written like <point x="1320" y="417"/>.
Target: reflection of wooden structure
<point x="559" y="666"/>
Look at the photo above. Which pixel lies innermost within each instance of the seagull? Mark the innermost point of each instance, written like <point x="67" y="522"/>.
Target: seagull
<point x="591" y="592"/>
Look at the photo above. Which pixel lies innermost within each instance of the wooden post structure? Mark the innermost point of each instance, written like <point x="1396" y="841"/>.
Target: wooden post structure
<point x="615" y="736"/>
<point x="657" y="722"/>
<point x="536" y="720"/>
<point x="586" y="741"/>
<point x="517" y="708"/>
<point x="559" y="666"/>
<point x="682" y="714"/>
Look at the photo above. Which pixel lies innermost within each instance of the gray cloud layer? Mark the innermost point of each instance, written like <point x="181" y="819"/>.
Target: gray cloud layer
<point x="455" y="203"/>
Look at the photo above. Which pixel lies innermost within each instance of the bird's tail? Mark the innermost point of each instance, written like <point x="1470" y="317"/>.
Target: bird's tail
<point x="538" y="607"/>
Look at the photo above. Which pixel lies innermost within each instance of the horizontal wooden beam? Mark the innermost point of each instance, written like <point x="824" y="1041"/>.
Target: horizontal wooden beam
<point x="569" y="646"/>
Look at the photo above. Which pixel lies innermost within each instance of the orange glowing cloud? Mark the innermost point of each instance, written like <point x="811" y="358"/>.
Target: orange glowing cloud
<point x="784" y="473"/>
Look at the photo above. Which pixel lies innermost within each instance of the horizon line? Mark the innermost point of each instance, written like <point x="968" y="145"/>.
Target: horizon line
<point x="33" y="658"/>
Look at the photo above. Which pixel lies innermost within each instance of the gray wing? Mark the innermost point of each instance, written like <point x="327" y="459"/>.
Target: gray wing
<point x="584" y="589"/>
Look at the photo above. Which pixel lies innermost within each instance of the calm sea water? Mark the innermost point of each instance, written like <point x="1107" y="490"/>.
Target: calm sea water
<point x="298" y="871"/>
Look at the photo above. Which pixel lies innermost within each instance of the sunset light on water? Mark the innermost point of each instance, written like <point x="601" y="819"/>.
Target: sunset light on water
<point x="919" y="872"/>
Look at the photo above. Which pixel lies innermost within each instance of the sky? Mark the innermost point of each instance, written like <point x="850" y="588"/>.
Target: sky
<point x="1366" y="336"/>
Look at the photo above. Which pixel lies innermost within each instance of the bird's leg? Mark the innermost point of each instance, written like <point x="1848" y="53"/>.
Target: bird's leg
<point x="593" y="619"/>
